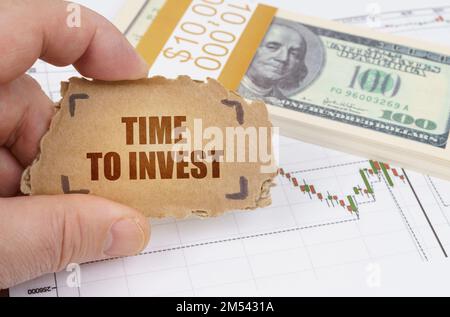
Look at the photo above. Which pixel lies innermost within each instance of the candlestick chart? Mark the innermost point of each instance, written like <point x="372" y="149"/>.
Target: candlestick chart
<point x="349" y="201"/>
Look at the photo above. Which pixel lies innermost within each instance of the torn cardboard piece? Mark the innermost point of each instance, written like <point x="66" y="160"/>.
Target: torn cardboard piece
<point x="165" y="147"/>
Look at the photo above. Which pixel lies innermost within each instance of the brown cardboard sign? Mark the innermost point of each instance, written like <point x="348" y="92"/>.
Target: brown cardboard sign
<point x="165" y="147"/>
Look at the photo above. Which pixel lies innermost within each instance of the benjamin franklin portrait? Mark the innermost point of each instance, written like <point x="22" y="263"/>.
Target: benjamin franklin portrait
<point x="287" y="61"/>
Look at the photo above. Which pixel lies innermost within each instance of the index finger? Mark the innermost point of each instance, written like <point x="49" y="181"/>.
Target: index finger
<point x="32" y="29"/>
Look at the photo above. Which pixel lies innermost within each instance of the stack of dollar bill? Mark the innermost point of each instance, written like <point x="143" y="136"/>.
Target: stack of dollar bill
<point x="355" y="90"/>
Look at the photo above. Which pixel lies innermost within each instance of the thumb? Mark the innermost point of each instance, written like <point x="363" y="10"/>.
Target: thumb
<point x="43" y="234"/>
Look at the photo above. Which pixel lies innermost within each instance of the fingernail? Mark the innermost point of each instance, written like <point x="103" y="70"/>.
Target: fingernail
<point x="126" y="237"/>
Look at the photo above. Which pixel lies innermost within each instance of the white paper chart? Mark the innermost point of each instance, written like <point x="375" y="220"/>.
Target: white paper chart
<point x="338" y="225"/>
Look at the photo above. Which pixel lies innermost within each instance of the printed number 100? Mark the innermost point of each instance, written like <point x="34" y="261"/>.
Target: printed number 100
<point x="215" y="49"/>
<point x="376" y="81"/>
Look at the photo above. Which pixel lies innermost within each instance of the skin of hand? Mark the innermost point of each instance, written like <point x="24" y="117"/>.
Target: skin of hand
<point x="44" y="234"/>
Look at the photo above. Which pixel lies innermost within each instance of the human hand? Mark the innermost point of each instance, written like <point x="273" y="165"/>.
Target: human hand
<point x="44" y="234"/>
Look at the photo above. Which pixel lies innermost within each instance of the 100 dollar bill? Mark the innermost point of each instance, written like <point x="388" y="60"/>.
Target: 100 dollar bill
<point x="378" y="85"/>
<point x="321" y="73"/>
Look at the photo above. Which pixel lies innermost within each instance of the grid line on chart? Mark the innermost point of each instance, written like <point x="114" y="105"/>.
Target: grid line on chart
<point x="343" y="264"/>
<point x="329" y="166"/>
<point x="301" y="236"/>
<point x="405" y="219"/>
<point x="420" y="29"/>
<point x="436" y="197"/>
<point x="185" y="261"/>
<point x="258" y="235"/>
<point x="425" y="215"/>
<point x="125" y="276"/>
<point x="56" y="284"/>
<point x="131" y="24"/>
<point x="245" y="252"/>
<point x="364" y="16"/>
<point x="445" y="204"/>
